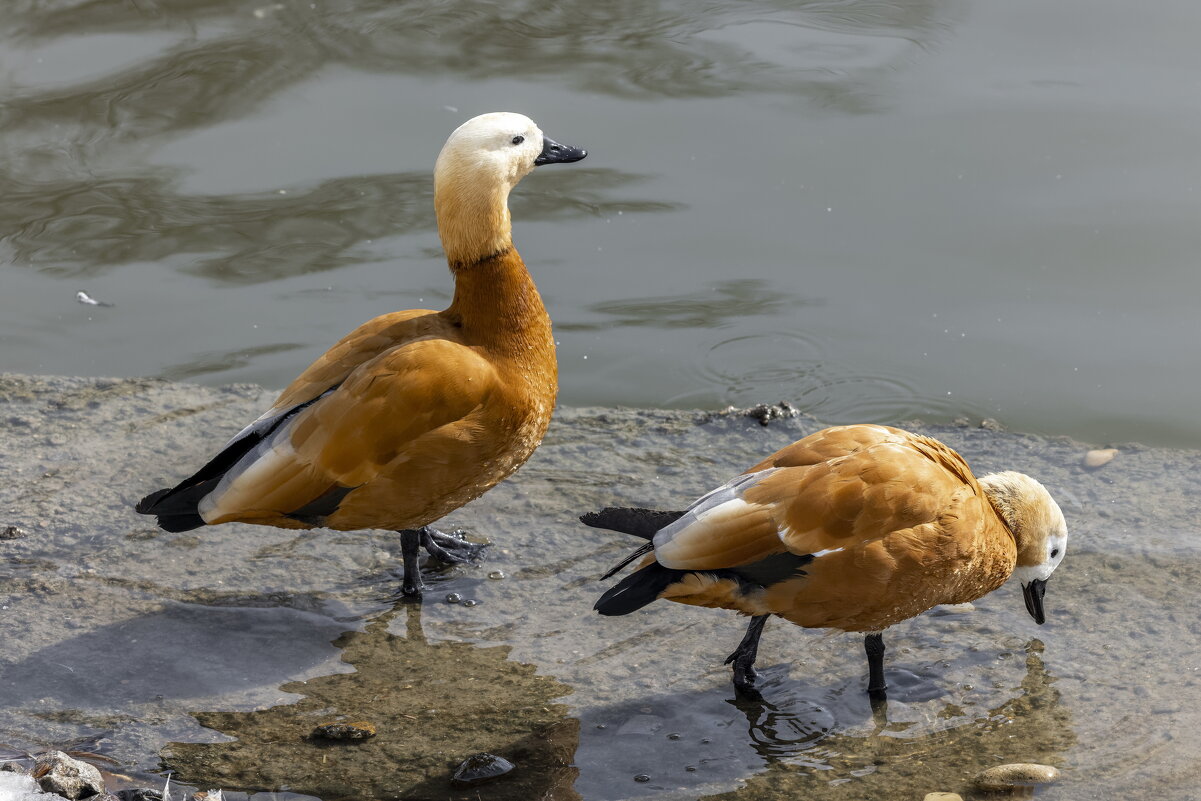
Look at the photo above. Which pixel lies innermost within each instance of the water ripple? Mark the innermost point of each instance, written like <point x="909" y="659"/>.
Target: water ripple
<point x="796" y="366"/>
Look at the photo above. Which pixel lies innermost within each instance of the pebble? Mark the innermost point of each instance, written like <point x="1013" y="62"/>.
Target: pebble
<point x="12" y="533"/>
<point x="480" y="768"/>
<point x="943" y="797"/>
<point x="471" y="602"/>
<point x="642" y="778"/>
<point x="1101" y="456"/>
<point x="343" y="730"/>
<point x="140" y="794"/>
<point x="454" y="598"/>
<point x="60" y="774"/>
<point x="496" y="575"/>
<point x="1017" y="774"/>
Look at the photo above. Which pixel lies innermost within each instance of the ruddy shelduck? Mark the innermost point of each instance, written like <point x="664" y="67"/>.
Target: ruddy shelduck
<point x="414" y="413"/>
<point x="853" y="528"/>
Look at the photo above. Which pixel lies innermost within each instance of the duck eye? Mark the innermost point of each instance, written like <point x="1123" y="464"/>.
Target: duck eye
<point x="1054" y="552"/>
<point x="517" y="140"/>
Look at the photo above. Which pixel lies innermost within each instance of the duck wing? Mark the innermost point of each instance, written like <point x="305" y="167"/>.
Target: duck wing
<point x="297" y="462"/>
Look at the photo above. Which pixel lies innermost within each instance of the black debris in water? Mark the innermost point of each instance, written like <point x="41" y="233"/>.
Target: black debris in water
<point x="480" y="768"/>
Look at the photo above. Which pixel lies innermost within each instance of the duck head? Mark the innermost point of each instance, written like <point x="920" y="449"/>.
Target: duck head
<point x="479" y="165"/>
<point x="1039" y="528"/>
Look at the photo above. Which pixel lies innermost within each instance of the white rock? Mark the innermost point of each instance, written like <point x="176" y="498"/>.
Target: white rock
<point x="1101" y="456"/>
<point x="1017" y="774"/>
<point x="19" y="787"/>
<point x="943" y="797"/>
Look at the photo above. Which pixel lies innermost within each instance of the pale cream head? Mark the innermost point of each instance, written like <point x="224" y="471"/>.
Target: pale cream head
<point x="1036" y="520"/>
<point x="1038" y="527"/>
<point x="480" y="163"/>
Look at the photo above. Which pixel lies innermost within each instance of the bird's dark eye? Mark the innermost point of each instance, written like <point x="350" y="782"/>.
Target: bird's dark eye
<point x="517" y="140"/>
<point x="1054" y="552"/>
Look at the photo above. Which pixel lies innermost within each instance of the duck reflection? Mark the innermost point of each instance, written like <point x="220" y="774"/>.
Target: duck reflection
<point x="804" y="741"/>
<point x="432" y="703"/>
<point x="903" y="747"/>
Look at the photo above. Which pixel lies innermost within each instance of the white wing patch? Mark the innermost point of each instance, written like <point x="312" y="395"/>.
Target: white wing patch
<point x="723" y="503"/>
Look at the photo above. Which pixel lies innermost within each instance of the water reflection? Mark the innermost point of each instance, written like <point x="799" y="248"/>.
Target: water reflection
<point x="911" y="748"/>
<point x="627" y="47"/>
<point x="67" y="228"/>
<point x="724" y="302"/>
<point x="805" y="741"/>
<point x="432" y="703"/>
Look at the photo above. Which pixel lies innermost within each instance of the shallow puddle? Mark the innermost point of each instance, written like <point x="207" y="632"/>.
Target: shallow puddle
<point x="214" y="654"/>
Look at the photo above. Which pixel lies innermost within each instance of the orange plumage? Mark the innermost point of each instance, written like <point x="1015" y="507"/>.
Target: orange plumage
<point x="853" y="528"/>
<point x="417" y="412"/>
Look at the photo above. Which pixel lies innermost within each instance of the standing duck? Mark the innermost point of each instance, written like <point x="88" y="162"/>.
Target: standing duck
<point x="414" y="413"/>
<point x="852" y="528"/>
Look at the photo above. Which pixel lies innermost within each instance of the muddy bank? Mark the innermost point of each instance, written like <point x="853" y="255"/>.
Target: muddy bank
<point x="215" y="652"/>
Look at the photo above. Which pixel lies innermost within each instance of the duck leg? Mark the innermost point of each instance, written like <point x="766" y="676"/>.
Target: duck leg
<point x="744" y="655"/>
<point x="448" y="548"/>
<point x="874" y="645"/>
<point x="410" y="552"/>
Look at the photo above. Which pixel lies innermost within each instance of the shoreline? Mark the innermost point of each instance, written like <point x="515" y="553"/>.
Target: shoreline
<point x="166" y="646"/>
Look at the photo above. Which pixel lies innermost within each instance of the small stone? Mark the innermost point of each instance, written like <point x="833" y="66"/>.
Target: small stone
<point x="454" y="598"/>
<point x="206" y="795"/>
<point x="471" y="602"/>
<point x="496" y="575"/>
<point x="140" y="794"/>
<point x="1101" y="456"/>
<point x="989" y="424"/>
<point x="1017" y="774"/>
<point x="343" y="730"/>
<point x="480" y="768"/>
<point x="642" y="777"/>
<point x="13" y="533"/>
<point x="60" y="774"/>
<point x="943" y="797"/>
<point x="14" y="767"/>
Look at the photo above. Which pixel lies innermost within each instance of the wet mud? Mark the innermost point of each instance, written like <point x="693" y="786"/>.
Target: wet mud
<point x="215" y="653"/>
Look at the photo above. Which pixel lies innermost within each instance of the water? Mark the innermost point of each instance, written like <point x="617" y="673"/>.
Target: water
<point x="877" y="210"/>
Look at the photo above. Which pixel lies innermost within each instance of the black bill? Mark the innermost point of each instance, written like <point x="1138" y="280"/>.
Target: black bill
<point x="555" y="153"/>
<point x="1033" y="593"/>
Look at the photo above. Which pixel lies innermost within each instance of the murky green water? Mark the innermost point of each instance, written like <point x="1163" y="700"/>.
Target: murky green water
<point x="879" y="210"/>
<point x="215" y="653"/>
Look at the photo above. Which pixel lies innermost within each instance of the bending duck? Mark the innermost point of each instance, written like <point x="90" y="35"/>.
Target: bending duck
<point x="414" y="413"/>
<point x="853" y="528"/>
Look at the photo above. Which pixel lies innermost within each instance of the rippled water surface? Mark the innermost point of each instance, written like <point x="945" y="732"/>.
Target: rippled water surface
<point x="878" y="210"/>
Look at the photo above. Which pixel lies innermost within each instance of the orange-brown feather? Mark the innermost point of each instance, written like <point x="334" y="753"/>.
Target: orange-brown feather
<point x="896" y="521"/>
<point x="430" y="410"/>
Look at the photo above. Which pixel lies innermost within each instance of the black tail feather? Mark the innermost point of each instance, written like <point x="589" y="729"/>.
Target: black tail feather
<point x="637" y="589"/>
<point x="643" y="550"/>
<point x="176" y="508"/>
<point x="631" y="520"/>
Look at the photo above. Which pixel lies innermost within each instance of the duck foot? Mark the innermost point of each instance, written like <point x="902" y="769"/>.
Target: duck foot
<point x="743" y="659"/>
<point x="452" y="548"/>
<point x="449" y="548"/>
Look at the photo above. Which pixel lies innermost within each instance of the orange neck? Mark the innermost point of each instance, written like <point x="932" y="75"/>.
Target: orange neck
<point x="497" y="306"/>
